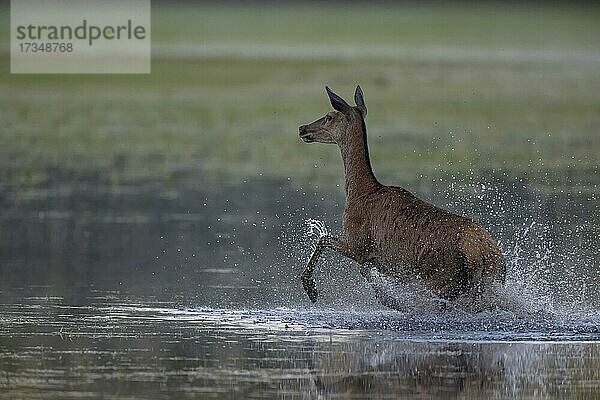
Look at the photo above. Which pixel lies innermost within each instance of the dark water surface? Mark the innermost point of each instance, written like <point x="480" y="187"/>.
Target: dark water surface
<point x="173" y="292"/>
<point x="151" y="350"/>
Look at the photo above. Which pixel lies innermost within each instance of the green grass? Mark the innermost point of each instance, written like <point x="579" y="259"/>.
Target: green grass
<point x="484" y="25"/>
<point x="461" y="102"/>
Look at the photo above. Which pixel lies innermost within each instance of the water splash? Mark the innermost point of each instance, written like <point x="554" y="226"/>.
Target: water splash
<point x="316" y="228"/>
<point x="551" y="254"/>
<point x="527" y="289"/>
<point x="530" y="289"/>
<point x="409" y="296"/>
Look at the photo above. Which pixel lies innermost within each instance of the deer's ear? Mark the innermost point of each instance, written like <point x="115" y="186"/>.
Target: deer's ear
<point x="360" y="101"/>
<point x="337" y="102"/>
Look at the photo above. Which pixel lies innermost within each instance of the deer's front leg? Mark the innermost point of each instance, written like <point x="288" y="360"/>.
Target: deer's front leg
<point x="324" y="242"/>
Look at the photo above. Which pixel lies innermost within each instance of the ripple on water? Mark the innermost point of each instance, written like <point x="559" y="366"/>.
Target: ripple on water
<point x="154" y="350"/>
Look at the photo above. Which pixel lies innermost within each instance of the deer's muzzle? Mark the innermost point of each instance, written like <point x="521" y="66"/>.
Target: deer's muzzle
<point x="304" y="134"/>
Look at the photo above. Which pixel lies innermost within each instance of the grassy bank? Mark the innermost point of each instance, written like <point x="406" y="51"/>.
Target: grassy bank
<point x="456" y="90"/>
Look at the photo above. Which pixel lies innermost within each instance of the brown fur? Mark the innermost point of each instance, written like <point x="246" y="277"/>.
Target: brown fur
<point x="389" y="228"/>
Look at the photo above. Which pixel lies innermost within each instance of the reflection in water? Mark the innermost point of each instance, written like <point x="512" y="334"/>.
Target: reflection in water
<point x="55" y="351"/>
<point x="150" y="292"/>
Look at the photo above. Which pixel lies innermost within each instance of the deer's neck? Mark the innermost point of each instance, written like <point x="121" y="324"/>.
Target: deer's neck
<point x="358" y="173"/>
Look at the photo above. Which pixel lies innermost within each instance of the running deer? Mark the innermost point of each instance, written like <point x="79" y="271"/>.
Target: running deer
<point x="389" y="230"/>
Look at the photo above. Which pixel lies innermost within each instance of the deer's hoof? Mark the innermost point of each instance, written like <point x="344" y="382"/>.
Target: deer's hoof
<point x="310" y="287"/>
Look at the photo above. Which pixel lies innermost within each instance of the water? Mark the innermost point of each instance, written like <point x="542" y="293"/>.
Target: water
<point x="158" y="292"/>
<point x="152" y="349"/>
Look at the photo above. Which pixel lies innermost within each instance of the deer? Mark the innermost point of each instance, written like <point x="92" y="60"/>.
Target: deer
<point x="392" y="233"/>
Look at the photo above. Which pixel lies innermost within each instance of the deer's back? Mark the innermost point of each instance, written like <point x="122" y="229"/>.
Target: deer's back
<point x="408" y="235"/>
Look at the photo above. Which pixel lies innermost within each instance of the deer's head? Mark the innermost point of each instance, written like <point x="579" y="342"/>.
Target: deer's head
<point x="333" y="127"/>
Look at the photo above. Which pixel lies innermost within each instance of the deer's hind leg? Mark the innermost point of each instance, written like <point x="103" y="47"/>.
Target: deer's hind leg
<point x="338" y="245"/>
<point x="383" y="293"/>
